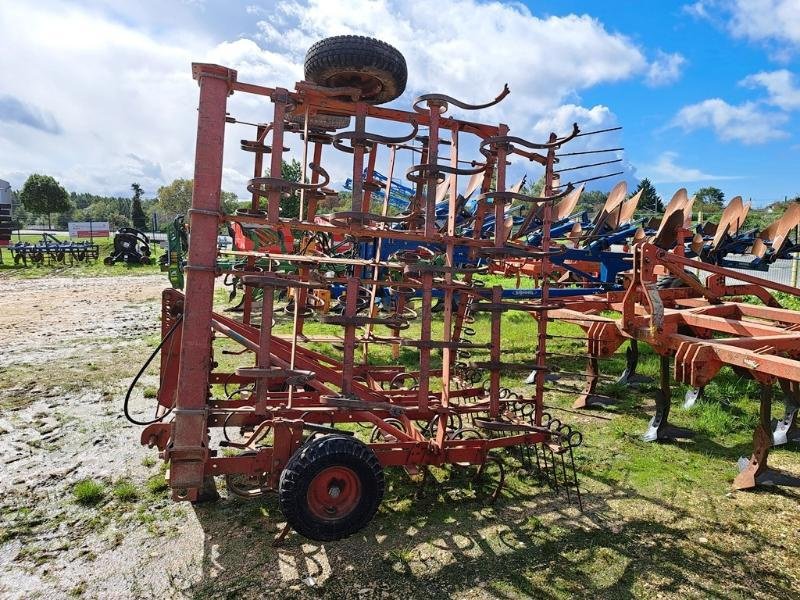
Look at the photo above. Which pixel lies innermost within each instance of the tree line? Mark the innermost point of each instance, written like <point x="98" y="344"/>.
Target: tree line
<point x="43" y="199"/>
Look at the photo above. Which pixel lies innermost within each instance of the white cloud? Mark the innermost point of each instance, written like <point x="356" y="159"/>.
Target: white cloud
<point x="485" y="45"/>
<point x="746" y="122"/>
<point x="665" y="69"/>
<point x="697" y="9"/>
<point x="775" y="23"/>
<point x="779" y="85"/>
<point x="665" y="170"/>
<point x="766" y="20"/>
<point x="114" y="100"/>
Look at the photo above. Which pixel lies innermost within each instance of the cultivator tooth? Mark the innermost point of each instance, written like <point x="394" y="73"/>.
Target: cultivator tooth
<point x="629" y="375"/>
<point x="755" y="471"/>
<point x="659" y="429"/>
<point x="691" y="396"/>
<point x="786" y="430"/>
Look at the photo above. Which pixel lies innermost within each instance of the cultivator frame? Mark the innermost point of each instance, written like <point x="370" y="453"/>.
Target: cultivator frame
<point x="293" y="389"/>
<point x="52" y="251"/>
<point x="701" y="327"/>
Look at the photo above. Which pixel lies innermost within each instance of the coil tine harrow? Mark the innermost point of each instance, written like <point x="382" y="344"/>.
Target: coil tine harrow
<point x="322" y="415"/>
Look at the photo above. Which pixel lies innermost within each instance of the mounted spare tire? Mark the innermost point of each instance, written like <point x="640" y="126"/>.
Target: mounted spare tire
<point x="373" y="66"/>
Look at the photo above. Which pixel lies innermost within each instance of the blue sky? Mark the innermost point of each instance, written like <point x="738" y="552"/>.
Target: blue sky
<point x="98" y="92"/>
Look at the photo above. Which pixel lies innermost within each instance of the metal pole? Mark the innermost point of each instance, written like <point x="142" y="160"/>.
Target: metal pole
<point x="190" y="429"/>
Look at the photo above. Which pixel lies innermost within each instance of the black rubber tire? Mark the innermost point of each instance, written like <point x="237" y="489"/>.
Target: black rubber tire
<point x="322" y="122"/>
<point x="331" y="450"/>
<point x="670" y="281"/>
<point x="371" y="65"/>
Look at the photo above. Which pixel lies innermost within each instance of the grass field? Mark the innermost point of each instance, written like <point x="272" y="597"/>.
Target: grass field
<point x="659" y="520"/>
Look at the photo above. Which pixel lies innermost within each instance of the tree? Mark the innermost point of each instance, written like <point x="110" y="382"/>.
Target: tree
<point x="176" y="198"/>
<point x="290" y="204"/>
<point x="43" y="195"/>
<point x="592" y="200"/>
<point x="650" y="200"/>
<point x="228" y="202"/>
<point x="138" y="217"/>
<point x="709" y="199"/>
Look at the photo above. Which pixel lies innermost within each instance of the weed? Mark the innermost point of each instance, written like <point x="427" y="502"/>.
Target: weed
<point x="125" y="491"/>
<point x="88" y="492"/>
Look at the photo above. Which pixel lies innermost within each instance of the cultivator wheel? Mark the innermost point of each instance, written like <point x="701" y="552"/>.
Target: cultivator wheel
<point x="331" y="488"/>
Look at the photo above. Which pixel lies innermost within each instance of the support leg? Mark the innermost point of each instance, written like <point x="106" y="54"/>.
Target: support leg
<point x="589" y="398"/>
<point x="629" y="375"/>
<point x="659" y="428"/>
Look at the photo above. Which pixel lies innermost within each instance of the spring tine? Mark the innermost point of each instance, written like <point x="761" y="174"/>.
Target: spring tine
<point x="566" y="481"/>
<point x="575" y="479"/>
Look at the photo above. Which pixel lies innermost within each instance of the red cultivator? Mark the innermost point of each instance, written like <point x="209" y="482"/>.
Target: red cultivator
<point x="390" y="384"/>
<point x="300" y="409"/>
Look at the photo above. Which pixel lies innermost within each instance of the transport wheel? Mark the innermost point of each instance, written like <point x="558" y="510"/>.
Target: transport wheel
<point x="373" y="66"/>
<point x="331" y="488"/>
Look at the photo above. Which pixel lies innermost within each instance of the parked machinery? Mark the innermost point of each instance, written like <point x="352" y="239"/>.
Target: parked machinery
<point x="131" y="246"/>
<point x="300" y="410"/>
<point x="52" y="251"/>
<point x="317" y="418"/>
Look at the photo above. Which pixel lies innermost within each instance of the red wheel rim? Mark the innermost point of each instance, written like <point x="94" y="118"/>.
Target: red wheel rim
<point x="333" y="493"/>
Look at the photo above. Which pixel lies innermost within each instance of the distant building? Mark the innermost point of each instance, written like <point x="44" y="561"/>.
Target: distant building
<point x="6" y="196"/>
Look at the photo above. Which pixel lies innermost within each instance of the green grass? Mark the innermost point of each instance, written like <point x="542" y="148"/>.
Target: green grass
<point x="125" y="491"/>
<point x="89" y="492"/>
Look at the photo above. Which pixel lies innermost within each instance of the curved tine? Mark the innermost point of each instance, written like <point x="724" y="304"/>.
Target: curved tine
<point x="743" y="215"/>
<point x="731" y="211"/>
<point x="789" y="220"/>
<point x="510" y="139"/>
<point x="444" y="100"/>
<point x="759" y="248"/>
<point x="474" y="183"/>
<point x="667" y="234"/>
<point x="629" y="208"/>
<point x="568" y="203"/>
<point x="687" y="212"/>
<point x="374" y="137"/>
<point x="697" y="243"/>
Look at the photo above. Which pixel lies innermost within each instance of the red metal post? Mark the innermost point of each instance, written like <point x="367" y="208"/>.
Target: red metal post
<point x="189" y="446"/>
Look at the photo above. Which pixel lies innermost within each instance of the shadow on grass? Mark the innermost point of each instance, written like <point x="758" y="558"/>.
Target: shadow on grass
<point x="626" y="544"/>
